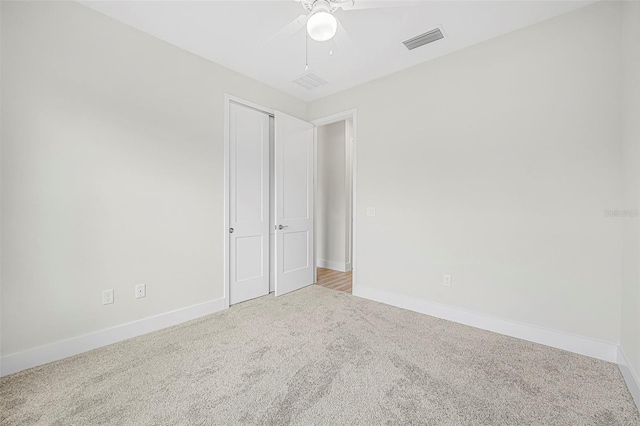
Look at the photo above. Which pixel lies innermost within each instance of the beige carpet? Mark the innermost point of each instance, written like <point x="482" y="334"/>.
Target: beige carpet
<point x="320" y="357"/>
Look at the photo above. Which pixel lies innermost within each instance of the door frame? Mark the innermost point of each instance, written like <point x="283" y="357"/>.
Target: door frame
<point x="227" y="169"/>
<point x="330" y="119"/>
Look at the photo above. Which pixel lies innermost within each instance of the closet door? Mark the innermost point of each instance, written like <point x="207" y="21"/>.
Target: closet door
<point x="249" y="203"/>
<point x="293" y="203"/>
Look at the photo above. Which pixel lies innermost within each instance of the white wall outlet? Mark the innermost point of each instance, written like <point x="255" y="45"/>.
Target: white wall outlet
<point x="371" y="211"/>
<point x="446" y="280"/>
<point x="107" y="297"/>
<point x="141" y="291"/>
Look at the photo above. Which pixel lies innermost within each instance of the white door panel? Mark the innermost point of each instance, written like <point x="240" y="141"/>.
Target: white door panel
<point x="249" y="203"/>
<point x="293" y="203"/>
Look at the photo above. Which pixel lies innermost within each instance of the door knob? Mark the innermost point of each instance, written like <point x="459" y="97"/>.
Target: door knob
<point x="231" y="230"/>
<point x="281" y="227"/>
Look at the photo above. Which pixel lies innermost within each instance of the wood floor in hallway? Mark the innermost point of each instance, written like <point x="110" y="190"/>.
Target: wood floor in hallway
<point x="335" y="280"/>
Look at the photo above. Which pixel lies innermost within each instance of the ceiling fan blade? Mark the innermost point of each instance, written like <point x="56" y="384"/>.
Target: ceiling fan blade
<point x="288" y="30"/>
<point x="343" y="40"/>
<point x="374" y="4"/>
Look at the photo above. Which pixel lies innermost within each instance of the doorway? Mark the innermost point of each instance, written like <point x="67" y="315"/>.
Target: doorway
<point x="269" y="235"/>
<point x="334" y="224"/>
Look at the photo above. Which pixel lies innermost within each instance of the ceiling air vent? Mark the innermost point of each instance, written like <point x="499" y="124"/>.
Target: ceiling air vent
<point x="422" y="39"/>
<point x="310" y="81"/>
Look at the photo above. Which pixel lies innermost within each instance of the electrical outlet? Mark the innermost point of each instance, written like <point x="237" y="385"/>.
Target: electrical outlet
<point x="446" y="280"/>
<point x="141" y="291"/>
<point x="107" y="297"/>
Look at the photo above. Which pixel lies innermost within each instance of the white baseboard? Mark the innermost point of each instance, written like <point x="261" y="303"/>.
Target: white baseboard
<point x="66" y="348"/>
<point x="553" y="338"/>
<point x="630" y="376"/>
<point x="336" y="266"/>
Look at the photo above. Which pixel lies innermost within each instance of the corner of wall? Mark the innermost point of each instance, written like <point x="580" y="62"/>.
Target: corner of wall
<point x="0" y="186"/>
<point x="629" y="353"/>
<point x="630" y="376"/>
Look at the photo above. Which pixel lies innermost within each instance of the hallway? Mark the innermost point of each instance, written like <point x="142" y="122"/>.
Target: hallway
<point x="334" y="280"/>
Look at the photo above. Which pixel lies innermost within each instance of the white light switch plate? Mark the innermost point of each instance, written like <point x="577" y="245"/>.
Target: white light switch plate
<point x="371" y="211"/>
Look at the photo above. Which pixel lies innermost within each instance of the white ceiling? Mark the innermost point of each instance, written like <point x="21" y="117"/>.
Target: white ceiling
<point x="231" y="33"/>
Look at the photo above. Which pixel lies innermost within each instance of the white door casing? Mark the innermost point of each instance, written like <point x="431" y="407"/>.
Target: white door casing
<point x="248" y="203"/>
<point x="294" y="242"/>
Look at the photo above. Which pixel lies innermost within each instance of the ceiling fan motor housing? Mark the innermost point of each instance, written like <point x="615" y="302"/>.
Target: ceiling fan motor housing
<point x="314" y="6"/>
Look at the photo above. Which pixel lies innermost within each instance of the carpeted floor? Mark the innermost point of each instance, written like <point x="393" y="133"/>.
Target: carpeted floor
<point x="320" y="357"/>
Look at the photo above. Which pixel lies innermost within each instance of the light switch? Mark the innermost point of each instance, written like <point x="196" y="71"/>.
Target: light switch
<point x="371" y="211"/>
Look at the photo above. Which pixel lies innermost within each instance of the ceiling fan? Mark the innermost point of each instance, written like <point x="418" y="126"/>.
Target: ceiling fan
<point x="321" y="22"/>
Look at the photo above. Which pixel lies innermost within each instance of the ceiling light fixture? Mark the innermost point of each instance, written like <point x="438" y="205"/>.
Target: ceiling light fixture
<point x="322" y="25"/>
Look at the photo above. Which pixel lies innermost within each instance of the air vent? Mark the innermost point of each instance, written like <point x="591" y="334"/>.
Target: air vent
<point x="422" y="39"/>
<point x="310" y="81"/>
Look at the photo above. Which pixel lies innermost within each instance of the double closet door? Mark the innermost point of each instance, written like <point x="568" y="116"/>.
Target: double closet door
<point x="271" y="241"/>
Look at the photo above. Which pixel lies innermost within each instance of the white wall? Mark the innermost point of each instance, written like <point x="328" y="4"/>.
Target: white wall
<point x="630" y="336"/>
<point x="331" y="196"/>
<point x="349" y="190"/>
<point x="0" y="190"/>
<point x="112" y="172"/>
<point x="495" y="164"/>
